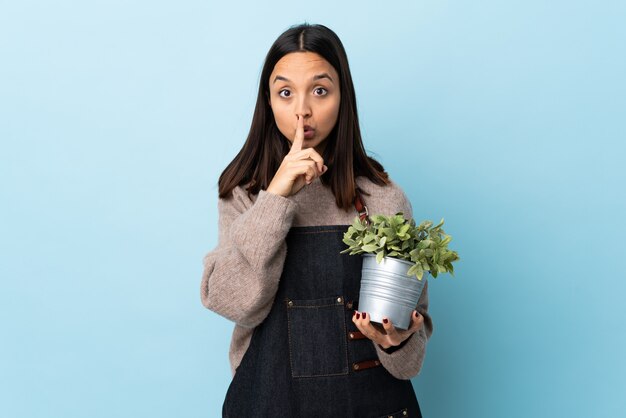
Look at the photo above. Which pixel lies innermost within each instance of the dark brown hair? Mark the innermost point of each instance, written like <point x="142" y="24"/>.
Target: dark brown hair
<point x="266" y="147"/>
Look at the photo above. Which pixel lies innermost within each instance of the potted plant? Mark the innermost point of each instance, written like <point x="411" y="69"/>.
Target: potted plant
<point x="398" y="256"/>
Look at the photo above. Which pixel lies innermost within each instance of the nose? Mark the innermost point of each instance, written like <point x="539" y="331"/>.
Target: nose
<point x="302" y="107"/>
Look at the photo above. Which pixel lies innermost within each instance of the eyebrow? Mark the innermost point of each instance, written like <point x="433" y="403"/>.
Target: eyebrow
<point x="315" y="77"/>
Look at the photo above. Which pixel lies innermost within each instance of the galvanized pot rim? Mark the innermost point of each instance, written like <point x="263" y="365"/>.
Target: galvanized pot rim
<point x="399" y="260"/>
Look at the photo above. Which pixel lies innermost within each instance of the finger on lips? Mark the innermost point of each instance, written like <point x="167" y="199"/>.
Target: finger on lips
<point x="297" y="151"/>
<point x="299" y="137"/>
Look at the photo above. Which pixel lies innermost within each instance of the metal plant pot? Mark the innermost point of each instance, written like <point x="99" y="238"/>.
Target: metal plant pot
<point x="387" y="291"/>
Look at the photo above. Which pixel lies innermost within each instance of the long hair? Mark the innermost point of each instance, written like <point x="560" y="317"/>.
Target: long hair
<point x="266" y="147"/>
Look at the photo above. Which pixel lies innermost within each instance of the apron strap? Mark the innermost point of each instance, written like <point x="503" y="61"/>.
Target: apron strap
<point x="361" y="208"/>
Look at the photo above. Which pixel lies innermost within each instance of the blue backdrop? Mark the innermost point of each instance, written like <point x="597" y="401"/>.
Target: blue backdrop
<point x="116" y="118"/>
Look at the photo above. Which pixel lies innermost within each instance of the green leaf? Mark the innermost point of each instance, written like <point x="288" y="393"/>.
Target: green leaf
<point x="376" y="219"/>
<point x="368" y="239"/>
<point x="358" y="225"/>
<point x="369" y="248"/>
<point x="424" y="244"/>
<point x="350" y="242"/>
<point x="425" y="225"/>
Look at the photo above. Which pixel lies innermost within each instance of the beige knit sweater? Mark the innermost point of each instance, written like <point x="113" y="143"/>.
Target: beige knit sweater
<point x="241" y="273"/>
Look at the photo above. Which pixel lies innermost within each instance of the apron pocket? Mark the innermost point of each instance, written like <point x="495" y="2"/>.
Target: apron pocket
<point x="317" y="337"/>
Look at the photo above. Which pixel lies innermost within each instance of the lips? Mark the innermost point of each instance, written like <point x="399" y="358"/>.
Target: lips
<point x="308" y="132"/>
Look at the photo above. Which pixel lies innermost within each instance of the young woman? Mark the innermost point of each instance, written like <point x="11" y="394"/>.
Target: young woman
<point x="300" y="346"/>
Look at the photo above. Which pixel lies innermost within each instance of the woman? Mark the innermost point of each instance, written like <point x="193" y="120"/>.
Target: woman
<point x="300" y="347"/>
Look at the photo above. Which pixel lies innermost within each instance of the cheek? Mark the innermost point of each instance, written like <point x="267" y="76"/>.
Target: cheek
<point x="330" y="115"/>
<point x="279" y="116"/>
<point x="283" y="123"/>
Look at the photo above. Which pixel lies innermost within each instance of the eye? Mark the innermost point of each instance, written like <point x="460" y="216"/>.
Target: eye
<point x="322" y="88"/>
<point x="279" y="93"/>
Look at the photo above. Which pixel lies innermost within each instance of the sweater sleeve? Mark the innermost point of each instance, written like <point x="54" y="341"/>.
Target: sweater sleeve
<point x="241" y="274"/>
<point x="405" y="361"/>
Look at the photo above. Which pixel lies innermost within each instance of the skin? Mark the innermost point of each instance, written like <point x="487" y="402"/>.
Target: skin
<point x="303" y="90"/>
<point x="387" y="335"/>
<point x="302" y="99"/>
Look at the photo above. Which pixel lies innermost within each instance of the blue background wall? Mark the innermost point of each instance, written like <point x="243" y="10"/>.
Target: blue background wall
<point x="116" y="119"/>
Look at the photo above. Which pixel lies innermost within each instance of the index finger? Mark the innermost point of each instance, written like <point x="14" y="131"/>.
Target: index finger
<point x="299" y="137"/>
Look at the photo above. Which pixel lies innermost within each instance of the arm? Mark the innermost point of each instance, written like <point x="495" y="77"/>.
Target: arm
<point x="405" y="351"/>
<point x="405" y="361"/>
<point x="241" y="274"/>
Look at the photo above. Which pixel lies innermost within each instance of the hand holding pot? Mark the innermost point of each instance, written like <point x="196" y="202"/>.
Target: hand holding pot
<point x="299" y="167"/>
<point x="389" y="336"/>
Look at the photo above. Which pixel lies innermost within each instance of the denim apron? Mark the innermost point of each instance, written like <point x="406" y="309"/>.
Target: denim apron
<point x="307" y="358"/>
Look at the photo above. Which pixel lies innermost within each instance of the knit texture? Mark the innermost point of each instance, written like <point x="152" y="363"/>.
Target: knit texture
<point x="241" y="274"/>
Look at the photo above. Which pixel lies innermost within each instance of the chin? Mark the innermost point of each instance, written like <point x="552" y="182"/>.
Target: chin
<point x="311" y="144"/>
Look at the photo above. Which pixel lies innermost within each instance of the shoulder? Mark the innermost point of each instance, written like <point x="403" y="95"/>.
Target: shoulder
<point x="238" y="200"/>
<point x="387" y="200"/>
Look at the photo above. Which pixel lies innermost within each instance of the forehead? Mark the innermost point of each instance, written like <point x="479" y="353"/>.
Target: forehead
<point x="302" y="65"/>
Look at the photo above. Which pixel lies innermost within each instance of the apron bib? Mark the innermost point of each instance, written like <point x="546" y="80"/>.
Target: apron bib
<point x="307" y="358"/>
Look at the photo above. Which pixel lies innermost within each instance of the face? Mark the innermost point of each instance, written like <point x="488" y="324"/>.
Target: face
<point x="304" y="83"/>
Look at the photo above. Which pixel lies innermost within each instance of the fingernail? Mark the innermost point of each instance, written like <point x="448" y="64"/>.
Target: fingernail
<point x="358" y="316"/>
<point x="364" y="315"/>
<point x="385" y="320"/>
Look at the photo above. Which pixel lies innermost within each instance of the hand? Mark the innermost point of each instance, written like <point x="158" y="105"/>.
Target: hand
<point x="388" y="335"/>
<point x="299" y="167"/>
